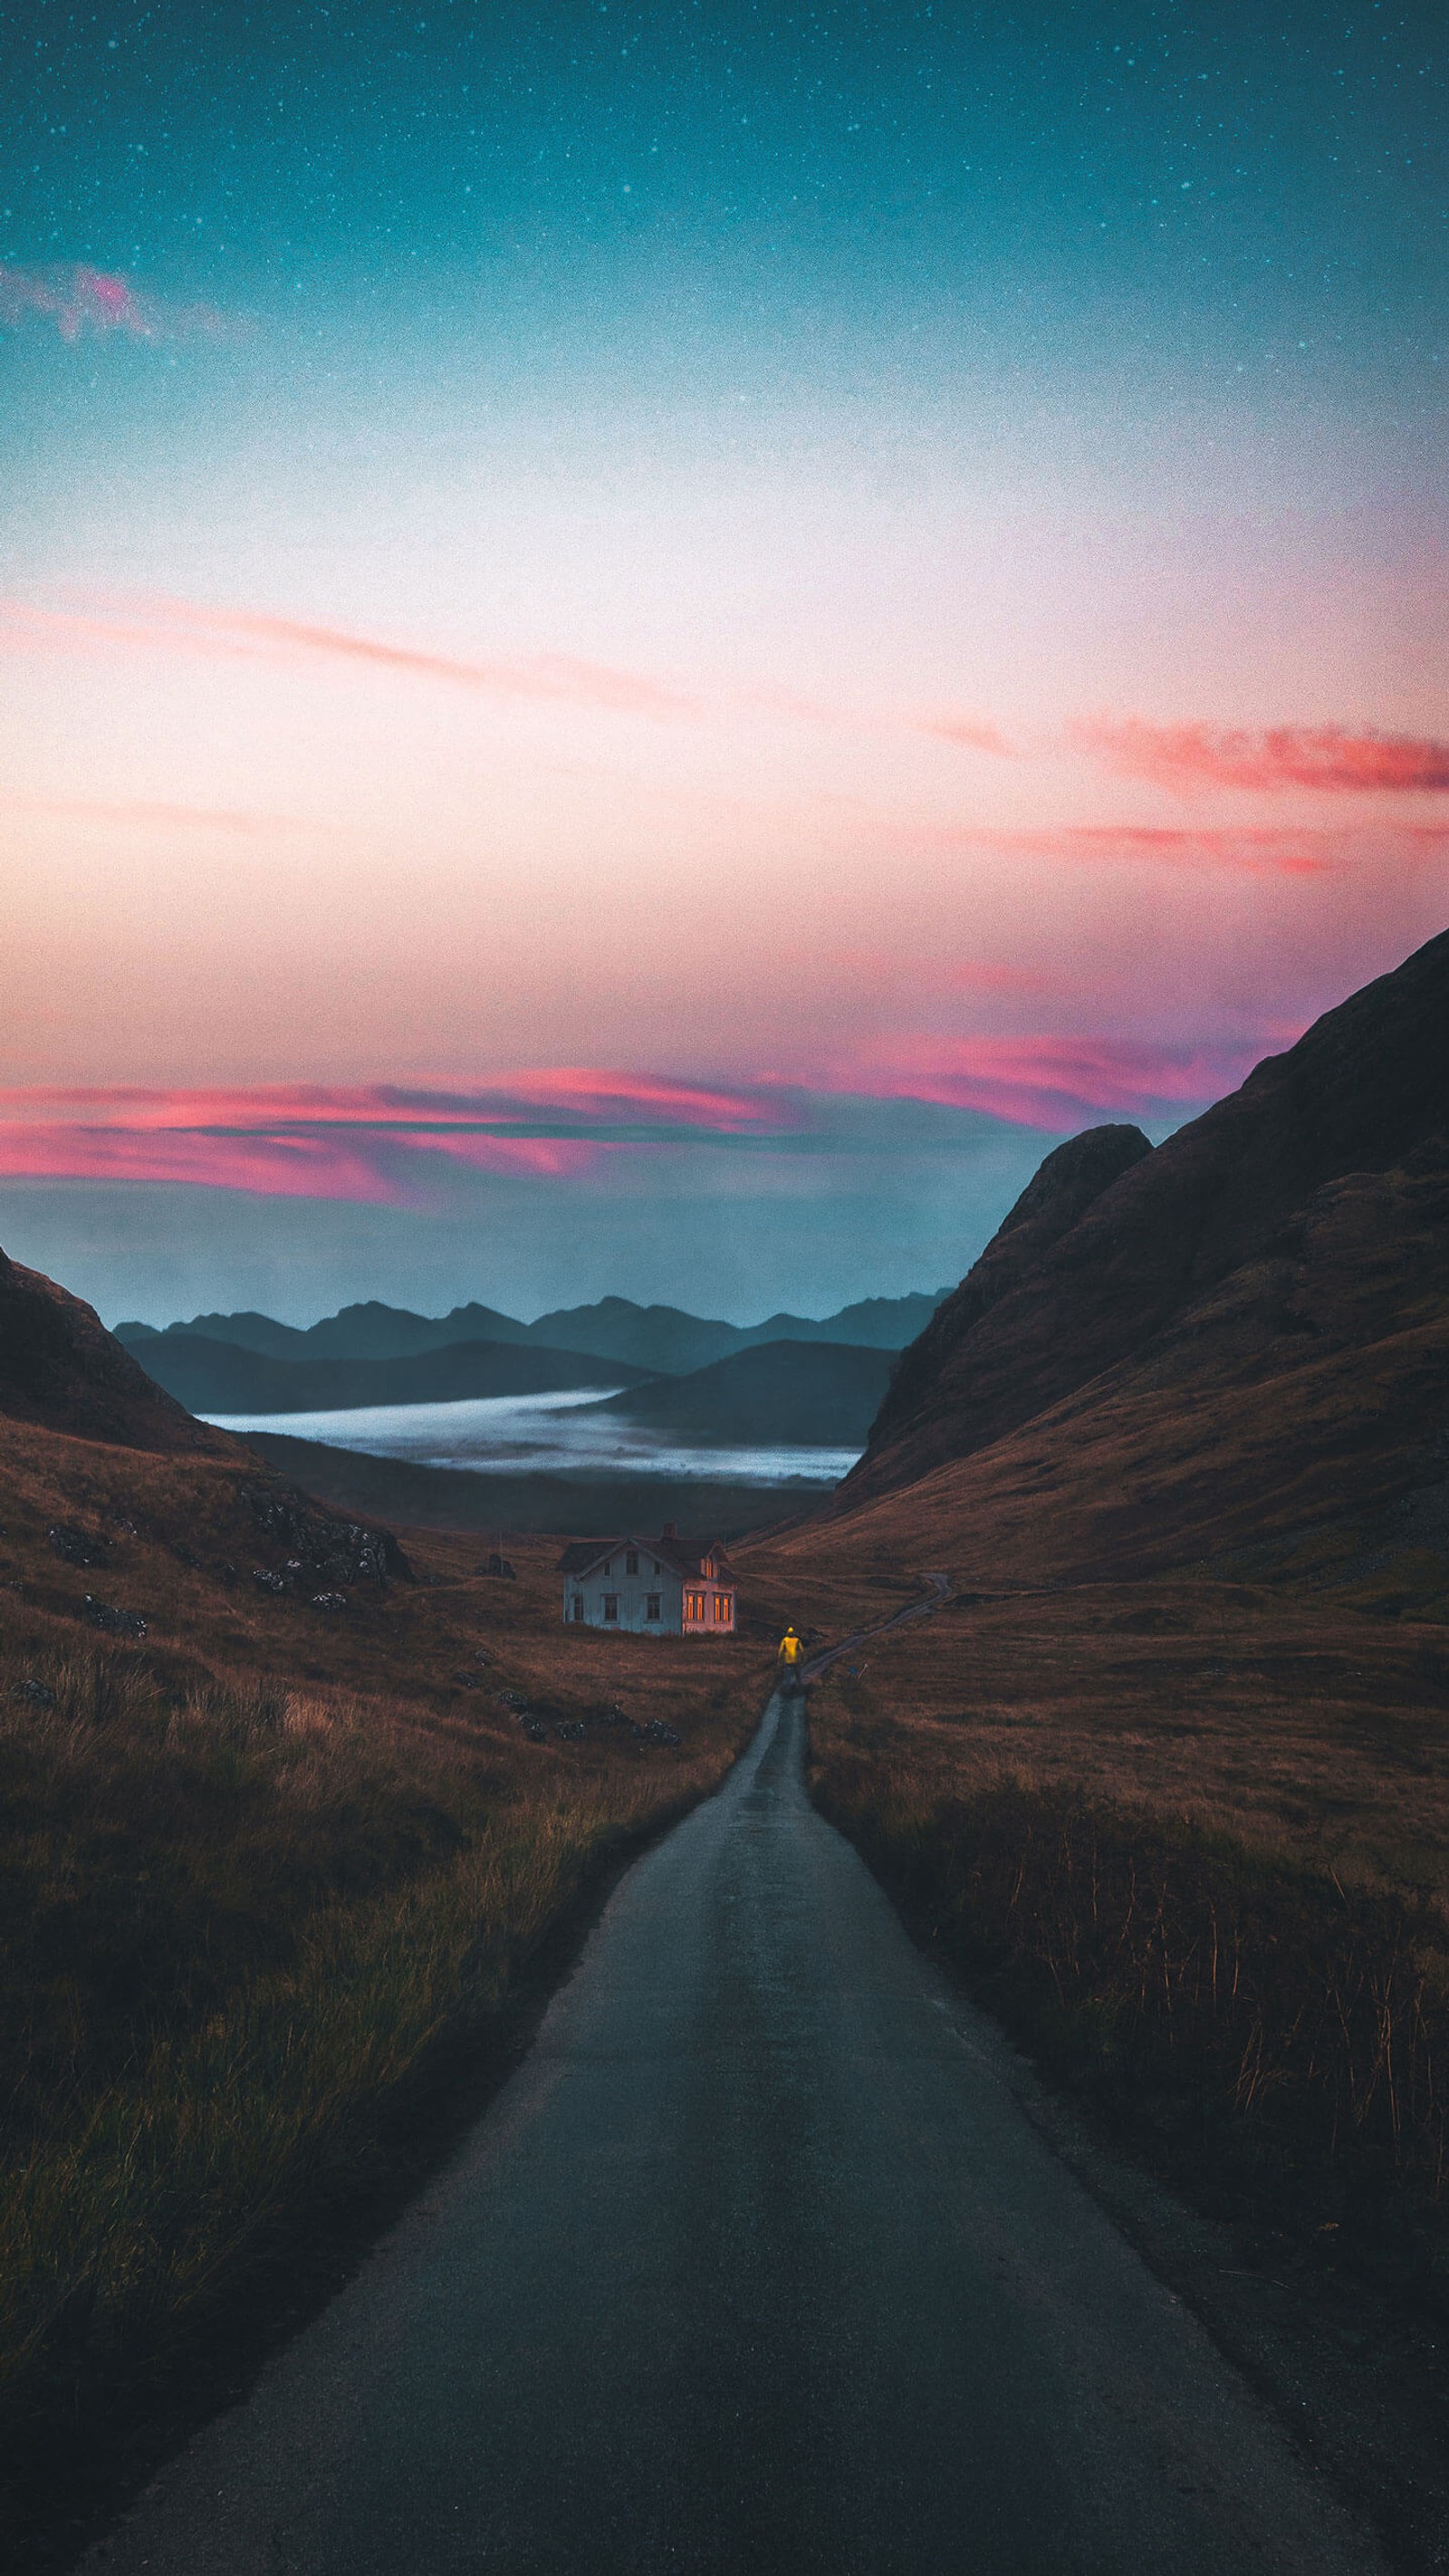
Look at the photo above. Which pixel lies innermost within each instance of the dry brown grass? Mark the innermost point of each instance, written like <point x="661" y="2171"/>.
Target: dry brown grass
<point x="1191" y="1841"/>
<point x="1297" y="1728"/>
<point x="261" y="1873"/>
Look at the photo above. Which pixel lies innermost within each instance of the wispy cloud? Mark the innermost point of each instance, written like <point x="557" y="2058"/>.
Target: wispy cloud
<point x="973" y="975"/>
<point x="179" y="625"/>
<point x="1058" y="1083"/>
<point x="972" y="733"/>
<point x="144" y="816"/>
<point x="370" y="1142"/>
<point x="393" y="1144"/>
<point x="1240" y="850"/>
<point x="1332" y="759"/>
<point x="75" y="300"/>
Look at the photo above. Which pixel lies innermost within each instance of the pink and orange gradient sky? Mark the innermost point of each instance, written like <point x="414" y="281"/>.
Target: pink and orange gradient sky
<point x="503" y="726"/>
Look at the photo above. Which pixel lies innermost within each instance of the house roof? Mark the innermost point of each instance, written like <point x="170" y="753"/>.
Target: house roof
<point x="682" y="1556"/>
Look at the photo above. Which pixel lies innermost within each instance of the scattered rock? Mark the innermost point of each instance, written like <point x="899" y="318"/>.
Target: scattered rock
<point x="266" y="1581"/>
<point x="497" y="1564"/>
<point x="656" y="1732"/>
<point x="329" y="1600"/>
<point x="38" y="1694"/>
<point x="321" y="1549"/>
<point x="112" y="1622"/>
<point x="512" y="1699"/>
<point x="570" y="1729"/>
<point x="77" y="1546"/>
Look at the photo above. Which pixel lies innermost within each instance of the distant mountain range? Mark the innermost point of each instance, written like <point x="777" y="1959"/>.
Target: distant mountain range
<point x="225" y="1378"/>
<point x="797" y="1394"/>
<point x="800" y="1393"/>
<point x="661" y="1340"/>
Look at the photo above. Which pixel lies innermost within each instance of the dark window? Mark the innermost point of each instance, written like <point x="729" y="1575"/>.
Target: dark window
<point x="578" y="1606"/>
<point x="631" y="1561"/>
<point x="651" y="1605"/>
<point x="611" y="1605"/>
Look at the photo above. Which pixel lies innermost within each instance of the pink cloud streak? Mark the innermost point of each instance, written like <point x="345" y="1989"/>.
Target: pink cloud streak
<point x="971" y="733"/>
<point x="184" y="625"/>
<point x="1056" y="1083"/>
<point x="1329" y="758"/>
<point x="1243" y="851"/>
<point x="369" y="1142"/>
<point x="77" y="299"/>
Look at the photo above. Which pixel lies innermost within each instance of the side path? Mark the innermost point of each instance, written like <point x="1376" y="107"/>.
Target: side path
<point x="938" y="1587"/>
<point x="753" y="2266"/>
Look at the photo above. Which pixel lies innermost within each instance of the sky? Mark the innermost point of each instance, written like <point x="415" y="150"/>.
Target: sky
<point x="644" y="648"/>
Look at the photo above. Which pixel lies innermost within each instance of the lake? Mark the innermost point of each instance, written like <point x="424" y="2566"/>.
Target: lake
<point x="561" y="1434"/>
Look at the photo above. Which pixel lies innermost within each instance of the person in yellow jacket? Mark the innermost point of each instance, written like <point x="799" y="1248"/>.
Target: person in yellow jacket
<point x="790" y="1658"/>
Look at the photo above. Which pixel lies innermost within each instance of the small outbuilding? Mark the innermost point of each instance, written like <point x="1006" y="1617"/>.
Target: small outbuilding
<point x="652" y="1587"/>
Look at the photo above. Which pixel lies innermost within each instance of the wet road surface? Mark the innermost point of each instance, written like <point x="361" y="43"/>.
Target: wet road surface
<point x="755" y="2265"/>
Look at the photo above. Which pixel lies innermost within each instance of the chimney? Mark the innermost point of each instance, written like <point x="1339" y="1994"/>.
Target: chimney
<point x="669" y="1530"/>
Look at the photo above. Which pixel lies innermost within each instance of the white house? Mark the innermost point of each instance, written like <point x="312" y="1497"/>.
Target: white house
<point x="653" y="1587"/>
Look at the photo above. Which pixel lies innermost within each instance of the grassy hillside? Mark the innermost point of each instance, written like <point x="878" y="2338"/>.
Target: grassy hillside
<point x="1169" y="1779"/>
<point x="289" y="1814"/>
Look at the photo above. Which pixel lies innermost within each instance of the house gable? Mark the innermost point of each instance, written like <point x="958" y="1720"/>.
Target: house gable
<point x="648" y="1586"/>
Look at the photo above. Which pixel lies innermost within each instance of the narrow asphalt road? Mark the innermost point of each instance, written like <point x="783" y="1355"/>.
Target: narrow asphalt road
<point x="755" y="2265"/>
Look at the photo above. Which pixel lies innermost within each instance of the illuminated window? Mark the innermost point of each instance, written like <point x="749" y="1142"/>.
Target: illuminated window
<point x="651" y="1605"/>
<point x="576" y="1608"/>
<point x="723" y="1608"/>
<point x="694" y="1605"/>
<point x="631" y="1561"/>
<point x="611" y="1605"/>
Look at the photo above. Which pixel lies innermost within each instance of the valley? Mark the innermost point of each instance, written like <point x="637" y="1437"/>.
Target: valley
<point x="1162" y="1781"/>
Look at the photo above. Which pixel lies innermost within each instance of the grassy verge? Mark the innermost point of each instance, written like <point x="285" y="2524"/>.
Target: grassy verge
<point x="1274" y="2039"/>
<point x="247" y="1928"/>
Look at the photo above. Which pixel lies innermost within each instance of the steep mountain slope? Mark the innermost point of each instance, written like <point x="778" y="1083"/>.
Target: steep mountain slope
<point x="122" y="1515"/>
<point x="814" y="1393"/>
<point x="1053" y="1305"/>
<point x="62" y="1371"/>
<point x="221" y="1377"/>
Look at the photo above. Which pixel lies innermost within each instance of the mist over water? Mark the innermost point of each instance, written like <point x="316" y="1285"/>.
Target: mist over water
<point x="562" y="1433"/>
